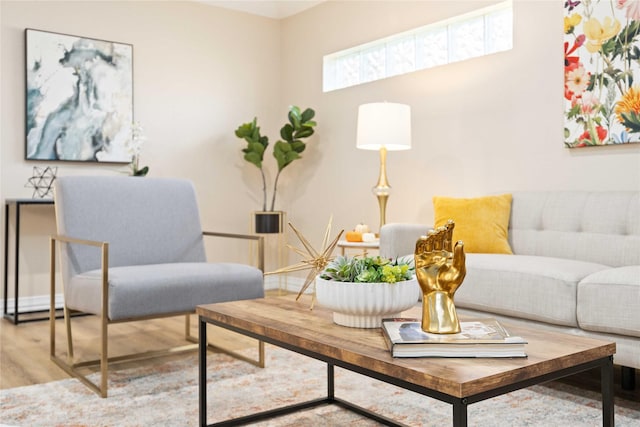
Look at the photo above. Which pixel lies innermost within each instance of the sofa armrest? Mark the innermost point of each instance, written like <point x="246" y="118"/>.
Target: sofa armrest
<point x="399" y="239"/>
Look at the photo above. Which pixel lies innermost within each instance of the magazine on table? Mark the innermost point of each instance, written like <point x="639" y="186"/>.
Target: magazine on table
<point x="477" y="338"/>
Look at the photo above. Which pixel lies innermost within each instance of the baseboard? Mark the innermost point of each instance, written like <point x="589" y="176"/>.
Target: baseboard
<point x="292" y="284"/>
<point x="35" y="303"/>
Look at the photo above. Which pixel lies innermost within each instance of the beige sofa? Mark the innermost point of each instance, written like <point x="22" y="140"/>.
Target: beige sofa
<point x="575" y="268"/>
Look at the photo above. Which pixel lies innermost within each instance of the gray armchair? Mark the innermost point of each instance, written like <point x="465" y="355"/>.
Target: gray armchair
<point x="132" y="249"/>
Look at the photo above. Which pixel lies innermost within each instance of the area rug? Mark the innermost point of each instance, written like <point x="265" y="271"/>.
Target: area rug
<point x="166" y="394"/>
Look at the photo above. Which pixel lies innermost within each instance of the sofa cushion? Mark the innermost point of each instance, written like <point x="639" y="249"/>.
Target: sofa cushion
<point x="399" y="239"/>
<point x="481" y="222"/>
<point x="592" y="226"/>
<point x="177" y="287"/>
<point x="609" y="301"/>
<point x="530" y="287"/>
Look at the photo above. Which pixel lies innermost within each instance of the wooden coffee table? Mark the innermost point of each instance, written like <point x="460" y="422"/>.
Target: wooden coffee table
<point x="283" y="322"/>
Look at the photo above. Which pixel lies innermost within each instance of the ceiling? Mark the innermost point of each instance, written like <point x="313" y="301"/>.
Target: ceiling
<point x="277" y="9"/>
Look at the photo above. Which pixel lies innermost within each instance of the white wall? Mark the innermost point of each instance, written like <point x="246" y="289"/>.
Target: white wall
<point x="481" y="126"/>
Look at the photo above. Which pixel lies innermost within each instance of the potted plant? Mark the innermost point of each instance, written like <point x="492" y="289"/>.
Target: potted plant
<point x="363" y="291"/>
<point x="298" y="127"/>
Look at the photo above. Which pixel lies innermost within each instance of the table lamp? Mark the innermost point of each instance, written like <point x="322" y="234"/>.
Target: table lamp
<point x="383" y="126"/>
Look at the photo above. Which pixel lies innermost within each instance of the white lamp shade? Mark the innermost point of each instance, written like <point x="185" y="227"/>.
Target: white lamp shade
<point x="384" y="124"/>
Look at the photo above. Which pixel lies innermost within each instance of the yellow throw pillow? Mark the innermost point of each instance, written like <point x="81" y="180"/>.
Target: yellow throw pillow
<point x="482" y="223"/>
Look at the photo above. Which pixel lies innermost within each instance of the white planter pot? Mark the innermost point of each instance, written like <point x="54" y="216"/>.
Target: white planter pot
<point x="364" y="305"/>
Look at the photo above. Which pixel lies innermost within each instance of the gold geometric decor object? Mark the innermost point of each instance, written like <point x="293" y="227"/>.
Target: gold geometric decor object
<point x="313" y="260"/>
<point x="440" y="271"/>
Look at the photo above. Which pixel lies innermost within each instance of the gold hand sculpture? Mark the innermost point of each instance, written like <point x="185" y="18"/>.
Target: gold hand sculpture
<point x="440" y="272"/>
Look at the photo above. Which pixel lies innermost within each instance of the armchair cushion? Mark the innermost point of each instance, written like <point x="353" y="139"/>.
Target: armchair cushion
<point x="156" y="289"/>
<point x="399" y="239"/>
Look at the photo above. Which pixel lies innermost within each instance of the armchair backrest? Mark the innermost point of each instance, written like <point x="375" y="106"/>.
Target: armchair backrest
<point x="144" y="220"/>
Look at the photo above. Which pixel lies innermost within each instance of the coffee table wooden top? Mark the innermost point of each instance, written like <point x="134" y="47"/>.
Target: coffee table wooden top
<point x="292" y="322"/>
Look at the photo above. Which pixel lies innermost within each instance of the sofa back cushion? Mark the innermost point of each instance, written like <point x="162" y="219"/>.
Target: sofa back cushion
<point x="601" y="227"/>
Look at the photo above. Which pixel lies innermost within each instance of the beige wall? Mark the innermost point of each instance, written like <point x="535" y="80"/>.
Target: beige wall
<point x="481" y="126"/>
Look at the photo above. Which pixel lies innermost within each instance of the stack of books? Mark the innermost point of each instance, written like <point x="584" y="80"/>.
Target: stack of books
<point x="478" y="338"/>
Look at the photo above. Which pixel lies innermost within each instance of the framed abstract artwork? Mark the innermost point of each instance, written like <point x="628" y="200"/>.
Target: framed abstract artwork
<point x="79" y="98"/>
<point x="601" y="72"/>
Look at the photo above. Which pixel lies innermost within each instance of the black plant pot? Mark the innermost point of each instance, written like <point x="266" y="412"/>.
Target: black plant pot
<point x="268" y="222"/>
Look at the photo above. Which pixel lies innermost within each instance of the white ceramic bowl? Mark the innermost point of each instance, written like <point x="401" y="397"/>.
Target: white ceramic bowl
<point x="364" y="305"/>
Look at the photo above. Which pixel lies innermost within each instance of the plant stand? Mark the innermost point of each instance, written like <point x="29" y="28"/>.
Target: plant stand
<point x="269" y="222"/>
<point x="272" y="225"/>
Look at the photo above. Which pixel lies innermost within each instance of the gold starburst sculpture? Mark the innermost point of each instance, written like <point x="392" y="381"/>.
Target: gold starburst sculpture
<point x="313" y="260"/>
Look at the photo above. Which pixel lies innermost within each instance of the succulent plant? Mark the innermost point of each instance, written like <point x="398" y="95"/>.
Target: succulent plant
<point x="369" y="269"/>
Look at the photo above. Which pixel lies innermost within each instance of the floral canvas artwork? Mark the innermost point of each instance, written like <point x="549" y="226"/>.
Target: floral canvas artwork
<point x="601" y="72"/>
<point x="79" y="98"/>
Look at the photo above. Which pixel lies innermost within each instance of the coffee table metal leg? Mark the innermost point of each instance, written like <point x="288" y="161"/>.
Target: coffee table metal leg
<point x="606" y="381"/>
<point x="202" y="371"/>
<point x="460" y="413"/>
<point x="330" y="382"/>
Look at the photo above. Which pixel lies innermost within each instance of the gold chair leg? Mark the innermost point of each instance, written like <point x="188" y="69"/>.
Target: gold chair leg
<point x="187" y="329"/>
<point x="67" y="322"/>
<point x="260" y="362"/>
<point x="73" y="369"/>
<point x="67" y="365"/>
<point x="104" y="356"/>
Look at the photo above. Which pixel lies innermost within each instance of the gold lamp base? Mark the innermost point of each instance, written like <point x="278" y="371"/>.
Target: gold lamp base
<point x="382" y="190"/>
<point x="383" y="126"/>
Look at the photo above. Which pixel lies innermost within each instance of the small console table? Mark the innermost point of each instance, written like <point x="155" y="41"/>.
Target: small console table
<point x="18" y="203"/>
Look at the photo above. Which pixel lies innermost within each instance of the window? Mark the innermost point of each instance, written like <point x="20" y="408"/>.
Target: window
<point x="481" y="32"/>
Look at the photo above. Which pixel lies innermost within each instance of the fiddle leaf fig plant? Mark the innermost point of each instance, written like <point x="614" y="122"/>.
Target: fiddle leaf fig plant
<point x="300" y="126"/>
